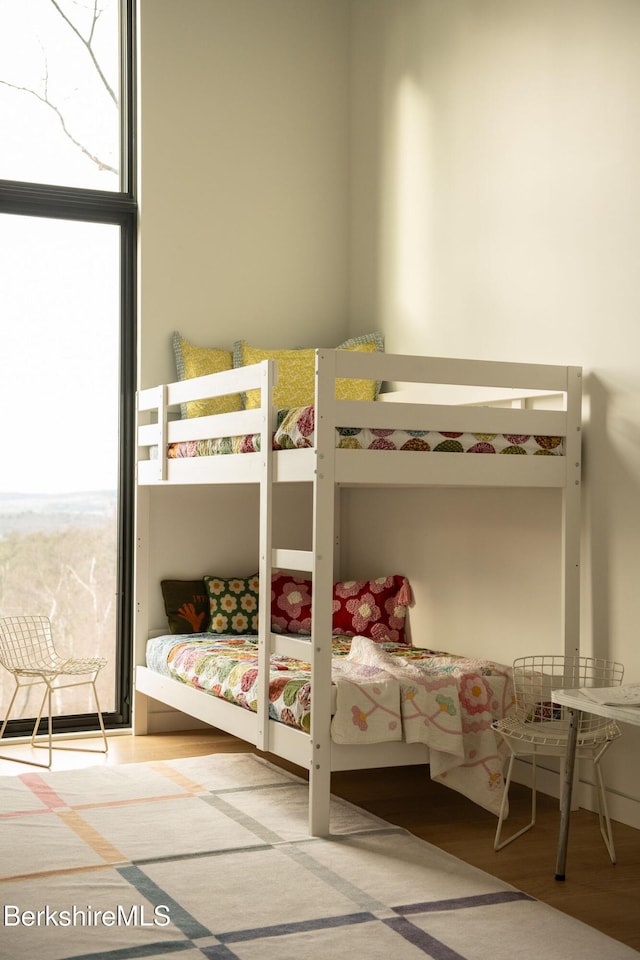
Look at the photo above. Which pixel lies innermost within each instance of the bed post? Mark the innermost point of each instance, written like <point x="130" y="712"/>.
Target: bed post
<point x="140" y="718"/>
<point x="571" y="516"/>
<point x="322" y="578"/>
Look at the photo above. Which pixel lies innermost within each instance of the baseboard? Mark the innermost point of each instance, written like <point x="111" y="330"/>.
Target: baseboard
<point x="622" y="809"/>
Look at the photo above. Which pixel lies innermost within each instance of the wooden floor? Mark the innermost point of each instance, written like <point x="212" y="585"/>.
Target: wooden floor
<point x="601" y="894"/>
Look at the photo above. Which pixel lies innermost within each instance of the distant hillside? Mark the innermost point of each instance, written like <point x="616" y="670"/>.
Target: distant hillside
<point x="31" y="513"/>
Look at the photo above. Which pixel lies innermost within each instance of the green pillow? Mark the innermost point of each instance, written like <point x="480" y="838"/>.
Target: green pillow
<point x="233" y="604"/>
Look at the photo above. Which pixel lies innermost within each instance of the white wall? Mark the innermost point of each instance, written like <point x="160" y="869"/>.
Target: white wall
<point x="495" y="213"/>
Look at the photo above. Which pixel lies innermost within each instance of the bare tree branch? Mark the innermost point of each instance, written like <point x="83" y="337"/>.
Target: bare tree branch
<point x="101" y="164"/>
<point x="44" y="98"/>
<point x="87" y="43"/>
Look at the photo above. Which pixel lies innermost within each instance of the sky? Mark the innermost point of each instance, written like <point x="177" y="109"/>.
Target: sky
<point x="59" y="280"/>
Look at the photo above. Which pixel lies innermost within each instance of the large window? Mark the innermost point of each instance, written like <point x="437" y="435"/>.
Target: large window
<point x="67" y="238"/>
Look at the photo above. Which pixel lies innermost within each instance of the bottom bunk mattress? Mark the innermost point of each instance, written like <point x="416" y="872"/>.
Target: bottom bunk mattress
<point x="381" y="692"/>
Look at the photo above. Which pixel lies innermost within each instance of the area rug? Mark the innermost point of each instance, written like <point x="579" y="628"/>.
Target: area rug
<point x="209" y="857"/>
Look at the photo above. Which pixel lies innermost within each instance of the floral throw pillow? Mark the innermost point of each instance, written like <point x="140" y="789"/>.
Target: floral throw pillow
<point x="233" y="604"/>
<point x="297" y="373"/>
<point x="372" y="608"/>
<point x="290" y="604"/>
<point x="369" y="608"/>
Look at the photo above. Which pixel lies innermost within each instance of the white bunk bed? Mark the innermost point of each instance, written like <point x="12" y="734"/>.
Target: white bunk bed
<point x="327" y="469"/>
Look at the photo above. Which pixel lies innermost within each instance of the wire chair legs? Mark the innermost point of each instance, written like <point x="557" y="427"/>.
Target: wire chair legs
<point x="603" y="813"/>
<point x="498" y="842"/>
<point x="51" y="744"/>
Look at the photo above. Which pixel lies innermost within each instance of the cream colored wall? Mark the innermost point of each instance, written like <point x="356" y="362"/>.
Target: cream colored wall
<point x="243" y="223"/>
<point x="243" y="195"/>
<point x="494" y="214"/>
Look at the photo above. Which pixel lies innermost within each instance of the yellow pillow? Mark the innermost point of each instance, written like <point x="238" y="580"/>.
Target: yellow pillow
<point x="358" y="389"/>
<point x="296" y="373"/>
<point x="192" y="361"/>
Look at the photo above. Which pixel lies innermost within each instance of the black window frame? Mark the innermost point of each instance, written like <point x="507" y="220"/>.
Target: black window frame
<point x="118" y="208"/>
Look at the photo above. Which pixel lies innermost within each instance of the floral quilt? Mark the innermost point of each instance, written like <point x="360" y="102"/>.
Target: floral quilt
<point x="383" y="691"/>
<point x="228" y="668"/>
<point x="447" y="703"/>
<point x="296" y="429"/>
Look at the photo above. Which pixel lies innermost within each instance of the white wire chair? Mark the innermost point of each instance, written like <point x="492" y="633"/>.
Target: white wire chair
<point x="27" y="651"/>
<point x="539" y="727"/>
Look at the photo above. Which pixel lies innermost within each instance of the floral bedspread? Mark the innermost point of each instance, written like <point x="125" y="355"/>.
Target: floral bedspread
<point x="447" y="703"/>
<point x="296" y="430"/>
<point x="383" y="691"/>
<point x="228" y="668"/>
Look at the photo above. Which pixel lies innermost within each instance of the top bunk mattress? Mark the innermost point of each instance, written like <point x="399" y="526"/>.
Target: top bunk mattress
<point x="296" y="430"/>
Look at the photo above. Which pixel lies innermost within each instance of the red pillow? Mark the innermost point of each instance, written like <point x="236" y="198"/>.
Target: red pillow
<point x="290" y="604"/>
<point x="368" y="608"/>
<point x="372" y="608"/>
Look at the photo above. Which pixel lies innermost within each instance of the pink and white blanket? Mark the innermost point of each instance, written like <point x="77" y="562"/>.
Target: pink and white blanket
<point x="447" y="703"/>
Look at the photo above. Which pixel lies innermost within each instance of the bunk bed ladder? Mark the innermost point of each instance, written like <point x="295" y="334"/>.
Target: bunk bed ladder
<point x="320" y="563"/>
